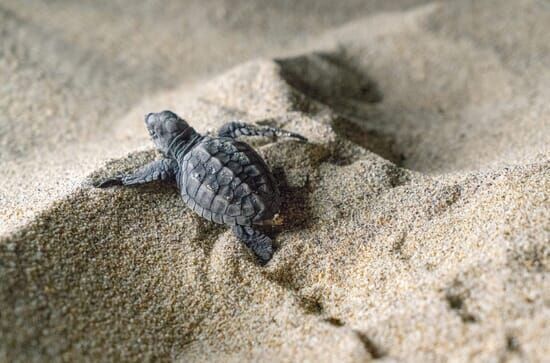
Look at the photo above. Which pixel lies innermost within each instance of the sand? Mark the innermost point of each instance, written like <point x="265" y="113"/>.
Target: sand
<point x="416" y="218"/>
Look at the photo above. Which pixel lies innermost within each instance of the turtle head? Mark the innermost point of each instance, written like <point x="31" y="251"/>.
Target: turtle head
<point x="168" y="131"/>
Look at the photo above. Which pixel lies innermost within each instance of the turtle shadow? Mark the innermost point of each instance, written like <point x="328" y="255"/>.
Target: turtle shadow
<point x="295" y="210"/>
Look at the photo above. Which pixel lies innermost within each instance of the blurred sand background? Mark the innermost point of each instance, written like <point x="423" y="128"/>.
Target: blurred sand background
<point x="418" y="224"/>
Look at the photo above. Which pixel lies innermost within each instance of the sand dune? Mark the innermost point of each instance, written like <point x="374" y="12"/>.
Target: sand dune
<point x="416" y="217"/>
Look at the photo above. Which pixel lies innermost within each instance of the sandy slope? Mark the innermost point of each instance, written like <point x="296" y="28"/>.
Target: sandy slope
<point x="417" y="216"/>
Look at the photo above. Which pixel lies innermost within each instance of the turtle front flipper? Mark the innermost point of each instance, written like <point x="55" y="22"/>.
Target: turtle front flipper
<point x="256" y="241"/>
<point x="109" y="182"/>
<point x="236" y="129"/>
<point x="164" y="169"/>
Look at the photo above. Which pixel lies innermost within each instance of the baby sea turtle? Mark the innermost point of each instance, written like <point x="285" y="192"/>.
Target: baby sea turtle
<point x="222" y="179"/>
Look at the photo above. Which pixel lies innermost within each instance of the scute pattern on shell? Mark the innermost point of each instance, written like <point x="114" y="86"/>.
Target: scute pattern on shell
<point x="227" y="182"/>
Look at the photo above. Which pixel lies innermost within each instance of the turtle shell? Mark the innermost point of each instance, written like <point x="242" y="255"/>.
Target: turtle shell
<point x="225" y="181"/>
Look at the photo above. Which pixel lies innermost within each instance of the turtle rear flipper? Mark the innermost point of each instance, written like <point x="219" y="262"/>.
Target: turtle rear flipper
<point x="256" y="241"/>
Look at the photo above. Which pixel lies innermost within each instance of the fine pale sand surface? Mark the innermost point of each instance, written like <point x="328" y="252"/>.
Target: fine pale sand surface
<point x="417" y="219"/>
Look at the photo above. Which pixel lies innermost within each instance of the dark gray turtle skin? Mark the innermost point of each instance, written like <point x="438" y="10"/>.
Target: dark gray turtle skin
<point x="221" y="178"/>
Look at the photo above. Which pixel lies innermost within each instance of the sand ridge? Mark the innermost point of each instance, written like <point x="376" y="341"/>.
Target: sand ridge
<point x="417" y="215"/>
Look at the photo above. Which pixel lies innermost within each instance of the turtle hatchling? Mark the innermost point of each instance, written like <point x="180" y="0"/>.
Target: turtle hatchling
<point x="222" y="179"/>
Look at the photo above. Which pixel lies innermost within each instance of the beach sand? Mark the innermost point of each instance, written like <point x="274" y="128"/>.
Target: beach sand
<point x="417" y="220"/>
